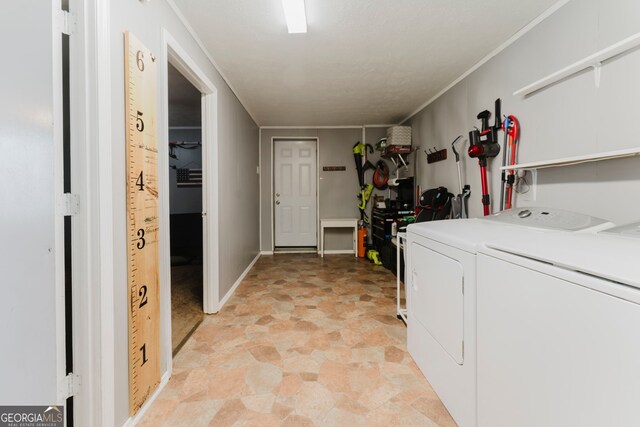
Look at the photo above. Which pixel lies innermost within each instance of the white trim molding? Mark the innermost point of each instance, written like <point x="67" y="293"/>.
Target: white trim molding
<point x="94" y="97"/>
<point x="260" y="188"/>
<point x="231" y="291"/>
<point x="329" y="127"/>
<point x="175" y="54"/>
<point x="58" y="188"/>
<point x="133" y="421"/>
<point x="272" y="179"/>
<point x="531" y="25"/>
<point x="85" y="257"/>
<point x="296" y="251"/>
<point x="172" y="52"/>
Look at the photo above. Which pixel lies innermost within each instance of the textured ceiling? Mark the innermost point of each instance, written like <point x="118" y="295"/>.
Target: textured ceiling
<point x="361" y="62"/>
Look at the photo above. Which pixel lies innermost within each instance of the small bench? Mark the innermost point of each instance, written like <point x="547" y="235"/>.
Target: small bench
<point x="339" y="223"/>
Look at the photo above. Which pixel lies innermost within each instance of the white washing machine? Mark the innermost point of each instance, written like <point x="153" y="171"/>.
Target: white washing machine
<point x="558" y="329"/>
<point x="441" y="295"/>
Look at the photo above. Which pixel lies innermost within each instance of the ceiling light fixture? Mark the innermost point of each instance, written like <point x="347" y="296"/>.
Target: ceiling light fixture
<point x="295" y="15"/>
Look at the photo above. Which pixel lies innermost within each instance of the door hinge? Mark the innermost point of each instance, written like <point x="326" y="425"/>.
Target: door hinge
<point x="70" y="386"/>
<point x="67" y="22"/>
<point x="69" y="204"/>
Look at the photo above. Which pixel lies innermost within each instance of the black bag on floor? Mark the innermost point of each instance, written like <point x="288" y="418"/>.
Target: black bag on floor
<point x="388" y="255"/>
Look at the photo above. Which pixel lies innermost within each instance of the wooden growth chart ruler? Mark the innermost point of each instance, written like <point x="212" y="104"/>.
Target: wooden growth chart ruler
<point x="142" y="222"/>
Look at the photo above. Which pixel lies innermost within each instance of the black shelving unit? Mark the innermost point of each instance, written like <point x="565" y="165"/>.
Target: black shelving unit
<point x="381" y="223"/>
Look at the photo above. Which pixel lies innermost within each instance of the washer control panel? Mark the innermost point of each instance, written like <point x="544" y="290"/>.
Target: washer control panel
<point x="627" y="230"/>
<point x="547" y="218"/>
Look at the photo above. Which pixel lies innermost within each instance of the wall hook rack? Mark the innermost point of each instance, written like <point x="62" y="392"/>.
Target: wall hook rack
<point x="436" y="156"/>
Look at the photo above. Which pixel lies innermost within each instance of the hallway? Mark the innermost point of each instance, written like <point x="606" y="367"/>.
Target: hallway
<point x="304" y="341"/>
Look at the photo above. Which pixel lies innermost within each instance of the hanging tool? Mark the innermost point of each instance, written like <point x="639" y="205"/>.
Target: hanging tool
<point x="362" y="165"/>
<point x="364" y="196"/>
<point x="459" y="202"/>
<point x="513" y="132"/>
<point x="381" y="175"/>
<point x="503" y="174"/>
<point x="483" y="144"/>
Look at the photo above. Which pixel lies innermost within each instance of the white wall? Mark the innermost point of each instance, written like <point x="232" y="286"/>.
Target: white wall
<point x="184" y="200"/>
<point x="337" y="189"/>
<point x="570" y="118"/>
<point x="237" y="151"/>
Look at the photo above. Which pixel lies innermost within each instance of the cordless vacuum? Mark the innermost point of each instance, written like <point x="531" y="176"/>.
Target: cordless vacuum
<point x="483" y="145"/>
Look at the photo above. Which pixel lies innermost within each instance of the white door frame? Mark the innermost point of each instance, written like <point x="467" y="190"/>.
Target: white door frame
<point x="93" y="242"/>
<point x="273" y="177"/>
<point x="173" y="53"/>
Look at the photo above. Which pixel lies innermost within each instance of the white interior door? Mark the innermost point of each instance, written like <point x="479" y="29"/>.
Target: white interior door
<point x="31" y="227"/>
<point x="295" y="193"/>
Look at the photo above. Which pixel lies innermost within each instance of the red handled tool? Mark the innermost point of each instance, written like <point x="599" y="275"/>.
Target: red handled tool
<point x="513" y="131"/>
<point x="503" y="173"/>
<point x="483" y="144"/>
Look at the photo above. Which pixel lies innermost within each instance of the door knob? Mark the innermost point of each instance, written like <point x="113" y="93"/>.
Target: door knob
<point x="277" y="202"/>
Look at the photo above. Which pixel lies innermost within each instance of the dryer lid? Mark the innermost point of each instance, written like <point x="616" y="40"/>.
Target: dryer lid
<point x="549" y="218"/>
<point x="627" y="230"/>
<point x="598" y="254"/>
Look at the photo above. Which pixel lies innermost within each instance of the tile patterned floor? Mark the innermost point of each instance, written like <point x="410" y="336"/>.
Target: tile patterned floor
<point x="304" y="341"/>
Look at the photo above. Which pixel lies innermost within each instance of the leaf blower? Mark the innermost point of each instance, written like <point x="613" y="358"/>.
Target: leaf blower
<point x="381" y="176"/>
<point x="362" y="165"/>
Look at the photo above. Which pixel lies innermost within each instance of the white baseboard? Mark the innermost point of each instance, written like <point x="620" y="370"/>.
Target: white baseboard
<point x="338" y="251"/>
<point x="133" y="421"/>
<point x="266" y="253"/>
<point x="302" y="251"/>
<point x="228" y="295"/>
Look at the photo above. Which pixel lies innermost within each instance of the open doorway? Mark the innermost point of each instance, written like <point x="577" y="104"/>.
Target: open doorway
<point x="186" y="206"/>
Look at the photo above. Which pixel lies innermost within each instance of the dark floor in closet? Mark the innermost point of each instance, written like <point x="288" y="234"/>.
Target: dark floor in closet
<point x="186" y="302"/>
